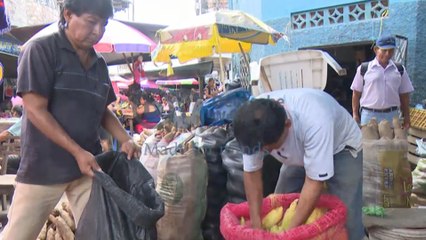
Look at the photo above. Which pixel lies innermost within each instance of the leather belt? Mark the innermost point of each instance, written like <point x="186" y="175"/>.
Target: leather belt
<point x="391" y="109"/>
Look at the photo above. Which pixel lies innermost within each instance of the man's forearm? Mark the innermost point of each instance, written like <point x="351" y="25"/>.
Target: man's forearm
<point x="111" y="123"/>
<point x="253" y="186"/>
<point x="405" y="104"/>
<point x="356" y="96"/>
<point x="309" y="196"/>
<point x="4" y="135"/>
<point x="405" y="107"/>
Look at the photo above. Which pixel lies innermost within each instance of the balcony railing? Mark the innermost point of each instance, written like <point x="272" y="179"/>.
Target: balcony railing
<point x="353" y="12"/>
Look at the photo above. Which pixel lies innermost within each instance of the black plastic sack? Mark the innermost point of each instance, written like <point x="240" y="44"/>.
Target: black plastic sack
<point x="123" y="204"/>
<point x="212" y="137"/>
<point x="232" y="158"/>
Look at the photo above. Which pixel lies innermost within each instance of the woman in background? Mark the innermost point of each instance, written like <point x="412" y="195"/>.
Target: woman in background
<point x="147" y="113"/>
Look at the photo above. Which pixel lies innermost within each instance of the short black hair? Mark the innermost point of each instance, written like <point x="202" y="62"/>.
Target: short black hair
<point x="17" y="109"/>
<point x="147" y="97"/>
<point x="259" y="122"/>
<point x="101" y="8"/>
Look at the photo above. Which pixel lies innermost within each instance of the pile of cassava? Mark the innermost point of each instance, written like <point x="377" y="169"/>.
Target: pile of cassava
<point x="60" y="225"/>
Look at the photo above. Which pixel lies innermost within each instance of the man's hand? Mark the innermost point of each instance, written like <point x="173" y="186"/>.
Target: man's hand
<point x="256" y="222"/>
<point x="132" y="149"/>
<point x="406" y="124"/>
<point x="357" y="118"/>
<point x="309" y="196"/>
<point x="87" y="163"/>
<point x="253" y="186"/>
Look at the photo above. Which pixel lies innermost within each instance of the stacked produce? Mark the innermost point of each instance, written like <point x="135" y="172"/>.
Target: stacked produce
<point x="60" y="225"/>
<point x="278" y="220"/>
<point x="327" y="221"/>
<point x="154" y="142"/>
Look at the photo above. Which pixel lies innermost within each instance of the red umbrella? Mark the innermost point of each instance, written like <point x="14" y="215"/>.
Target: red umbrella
<point x="148" y="84"/>
<point x="119" y="82"/>
<point x="121" y="38"/>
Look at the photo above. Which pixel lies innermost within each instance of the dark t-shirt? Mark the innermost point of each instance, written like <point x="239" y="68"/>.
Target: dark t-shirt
<point x="77" y="99"/>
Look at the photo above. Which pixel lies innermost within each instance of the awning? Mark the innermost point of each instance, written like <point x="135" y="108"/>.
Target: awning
<point x="180" y="82"/>
<point x="9" y="52"/>
<point x="195" y="70"/>
<point x="25" y="33"/>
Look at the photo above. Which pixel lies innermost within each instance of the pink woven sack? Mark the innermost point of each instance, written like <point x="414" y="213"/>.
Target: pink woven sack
<point x="331" y="226"/>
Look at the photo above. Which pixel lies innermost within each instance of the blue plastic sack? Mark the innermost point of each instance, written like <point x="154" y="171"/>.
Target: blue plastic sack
<point x="222" y="108"/>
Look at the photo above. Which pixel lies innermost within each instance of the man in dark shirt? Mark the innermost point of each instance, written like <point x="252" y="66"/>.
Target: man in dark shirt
<point x="66" y="90"/>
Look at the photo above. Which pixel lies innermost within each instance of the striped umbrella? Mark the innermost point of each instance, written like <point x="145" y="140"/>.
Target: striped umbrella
<point x="180" y="82"/>
<point x="119" y="39"/>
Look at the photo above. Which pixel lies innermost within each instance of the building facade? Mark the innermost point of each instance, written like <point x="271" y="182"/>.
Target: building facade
<point x="347" y="30"/>
<point x="31" y="12"/>
<point x="205" y="6"/>
<point x="35" y="12"/>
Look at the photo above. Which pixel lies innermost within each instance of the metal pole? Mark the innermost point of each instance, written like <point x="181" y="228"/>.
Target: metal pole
<point x="133" y="10"/>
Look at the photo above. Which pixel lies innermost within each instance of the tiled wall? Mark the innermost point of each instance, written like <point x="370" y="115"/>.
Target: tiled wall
<point x="405" y="18"/>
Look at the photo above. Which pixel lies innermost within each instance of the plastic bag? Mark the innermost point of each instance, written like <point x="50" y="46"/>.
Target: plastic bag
<point x="233" y="162"/>
<point x="419" y="177"/>
<point x="329" y="226"/>
<point x="150" y="155"/>
<point x="210" y="141"/>
<point x="123" y="203"/>
<point x="421" y="147"/>
<point x="221" y="109"/>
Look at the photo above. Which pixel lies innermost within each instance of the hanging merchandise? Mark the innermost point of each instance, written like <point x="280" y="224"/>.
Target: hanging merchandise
<point x="4" y="20"/>
<point x="1" y="72"/>
<point x="8" y="88"/>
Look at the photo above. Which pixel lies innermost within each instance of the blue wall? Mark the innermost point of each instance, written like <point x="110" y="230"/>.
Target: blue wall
<point x="271" y="9"/>
<point x="406" y="18"/>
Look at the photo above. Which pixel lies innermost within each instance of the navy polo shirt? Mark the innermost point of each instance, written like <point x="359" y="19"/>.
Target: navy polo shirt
<point x="77" y="99"/>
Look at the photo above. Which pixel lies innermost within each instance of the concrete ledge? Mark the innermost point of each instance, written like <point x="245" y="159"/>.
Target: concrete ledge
<point x="398" y="218"/>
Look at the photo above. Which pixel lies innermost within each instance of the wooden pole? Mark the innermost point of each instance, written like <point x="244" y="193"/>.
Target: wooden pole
<point x="244" y="55"/>
<point x="222" y="70"/>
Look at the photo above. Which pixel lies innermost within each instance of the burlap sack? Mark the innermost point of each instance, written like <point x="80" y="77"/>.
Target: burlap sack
<point x="398" y="131"/>
<point x="385" y="129"/>
<point x="182" y="184"/>
<point x="387" y="175"/>
<point x="371" y="130"/>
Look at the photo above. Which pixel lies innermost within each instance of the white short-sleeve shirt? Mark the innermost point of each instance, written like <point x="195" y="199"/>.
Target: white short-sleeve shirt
<point x="320" y="128"/>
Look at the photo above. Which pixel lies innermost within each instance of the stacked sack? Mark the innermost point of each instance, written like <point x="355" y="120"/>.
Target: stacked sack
<point x="180" y="171"/>
<point x="211" y="141"/>
<point x="387" y="175"/>
<point x="233" y="162"/>
<point x="182" y="183"/>
<point x="155" y="141"/>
